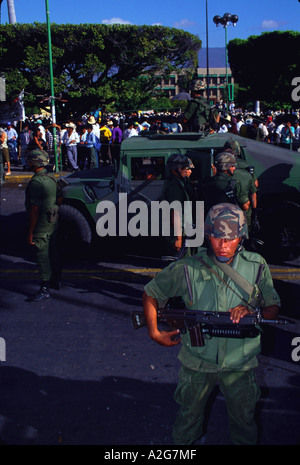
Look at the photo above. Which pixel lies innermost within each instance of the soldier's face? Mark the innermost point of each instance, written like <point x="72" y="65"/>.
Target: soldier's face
<point x="224" y="248"/>
<point x="185" y="172"/>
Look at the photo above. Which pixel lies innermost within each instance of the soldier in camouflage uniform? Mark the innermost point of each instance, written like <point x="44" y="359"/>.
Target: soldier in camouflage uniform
<point x="227" y="361"/>
<point x="197" y="114"/>
<point x="234" y="147"/>
<point x="245" y="174"/>
<point x="223" y="187"/>
<point x="175" y="188"/>
<point x="42" y="198"/>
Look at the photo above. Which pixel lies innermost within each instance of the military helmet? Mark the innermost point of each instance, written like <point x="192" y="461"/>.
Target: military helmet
<point x="38" y="158"/>
<point x="197" y="85"/>
<point x="191" y="164"/>
<point x="178" y="160"/>
<point x="224" y="160"/>
<point x="226" y="221"/>
<point x="234" y="147"/>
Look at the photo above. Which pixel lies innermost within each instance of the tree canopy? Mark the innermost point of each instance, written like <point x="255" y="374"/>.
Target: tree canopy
<point x="93" y="63"/>
<point x="264" y="66"/>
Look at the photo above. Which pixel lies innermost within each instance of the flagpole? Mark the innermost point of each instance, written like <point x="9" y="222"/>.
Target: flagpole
<point x="52" y="98"/>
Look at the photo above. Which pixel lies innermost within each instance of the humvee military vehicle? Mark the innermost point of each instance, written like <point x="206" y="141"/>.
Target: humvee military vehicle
<point x="141" y="176"/>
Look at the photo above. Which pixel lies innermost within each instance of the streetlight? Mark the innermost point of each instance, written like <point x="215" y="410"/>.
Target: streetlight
<point x="224" y="21"/>
<point x="207" y="58"/>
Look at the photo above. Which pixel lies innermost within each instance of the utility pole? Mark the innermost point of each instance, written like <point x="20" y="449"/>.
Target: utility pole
<point x="52" y="98"/>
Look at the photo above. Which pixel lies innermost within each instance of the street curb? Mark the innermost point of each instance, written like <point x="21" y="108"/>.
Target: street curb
<point x="25" y="177"/>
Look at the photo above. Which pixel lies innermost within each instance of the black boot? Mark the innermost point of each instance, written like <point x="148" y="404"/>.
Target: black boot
<point x="43" y="293"/>
<point x="55" y="282"/>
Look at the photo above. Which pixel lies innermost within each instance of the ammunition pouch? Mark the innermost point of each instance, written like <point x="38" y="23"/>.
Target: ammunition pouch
<point x="52" y="215"/>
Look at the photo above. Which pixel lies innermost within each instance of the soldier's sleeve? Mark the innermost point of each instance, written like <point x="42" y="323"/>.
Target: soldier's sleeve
<point x="266" y="286"/>
<point x="166" y="284"/>
<point x="240" y="193"/>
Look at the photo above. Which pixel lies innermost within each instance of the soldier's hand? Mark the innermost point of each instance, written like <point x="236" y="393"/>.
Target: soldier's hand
<point x="167" y="338"/>
<point x="238" y="312"/>
<point x="30" y="239"/>
<point x="178" y="243"/>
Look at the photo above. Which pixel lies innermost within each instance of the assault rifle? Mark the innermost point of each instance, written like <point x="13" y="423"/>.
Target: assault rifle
<point x="201" y="324"/>
<point x="181" y="253"/>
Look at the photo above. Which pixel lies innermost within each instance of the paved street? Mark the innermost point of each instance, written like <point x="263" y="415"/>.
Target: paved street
<point x="76" y="372"/>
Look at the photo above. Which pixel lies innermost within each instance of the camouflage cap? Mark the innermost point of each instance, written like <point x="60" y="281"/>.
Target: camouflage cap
<point x="197" y="85"/>
<point x="233" y="146"/>
<point x="226" y="221"/>
<point x="224" y="160"/>
<point x="37" y="158"/>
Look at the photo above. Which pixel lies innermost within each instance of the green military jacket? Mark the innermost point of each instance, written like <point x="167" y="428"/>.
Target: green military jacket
<point x="197" y="114"/>
<point x="244" y="165"/>
<point x="222" y="188"/>
<point x="247" y="188"/>
<point x="174" y="188"/>
<point x="42" y="191"/>
<point x="210" y="294"/>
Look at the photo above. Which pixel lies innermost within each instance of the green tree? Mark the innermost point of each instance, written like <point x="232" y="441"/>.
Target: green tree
<point x="118" y="65"/>
<point x="264" y="66"/>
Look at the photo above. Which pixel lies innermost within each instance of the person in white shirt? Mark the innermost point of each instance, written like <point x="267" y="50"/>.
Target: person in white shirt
<point x="71" y="139"/>
<point x="296" y="141"/>
<point x="130" y="131"/>
<point x="239" y="123"/>
<point x="278" y="133"/>
<point x="264" y="129"/>
<point x="42" y="129"/>
<point x="137" y="127"/>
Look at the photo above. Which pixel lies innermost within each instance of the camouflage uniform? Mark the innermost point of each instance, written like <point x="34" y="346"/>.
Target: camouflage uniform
<point x="241" y="164"/>
<point x="228" y="361"/>
<point x="197" y="113"/>
<point x="175" y="188"/>
<point x="243" y="175"/>
<point x="42" y="191"/>
<point x="248" y="189"/>
<point x="223" y="187"/>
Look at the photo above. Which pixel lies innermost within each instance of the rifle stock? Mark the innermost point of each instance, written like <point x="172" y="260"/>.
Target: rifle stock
<point x="200" y="323"/>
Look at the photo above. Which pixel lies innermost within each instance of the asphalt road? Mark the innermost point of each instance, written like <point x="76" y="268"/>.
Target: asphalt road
<point x="77" y="373"/>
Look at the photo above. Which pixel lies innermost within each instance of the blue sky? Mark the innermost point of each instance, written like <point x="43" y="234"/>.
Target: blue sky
<point x="255" y="16"/>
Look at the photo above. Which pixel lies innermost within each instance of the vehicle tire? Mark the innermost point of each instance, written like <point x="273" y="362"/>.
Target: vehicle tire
<point x="74" y="233"/>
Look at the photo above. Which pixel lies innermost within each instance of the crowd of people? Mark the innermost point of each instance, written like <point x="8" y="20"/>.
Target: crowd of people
<point x="90" y="141"/>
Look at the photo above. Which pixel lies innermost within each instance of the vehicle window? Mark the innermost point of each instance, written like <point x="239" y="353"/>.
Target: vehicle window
<point x="202" y="162"/>
<point x="143" y="168"/>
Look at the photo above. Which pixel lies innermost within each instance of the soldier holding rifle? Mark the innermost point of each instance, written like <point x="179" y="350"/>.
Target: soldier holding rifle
<point x="202" y="284"/>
